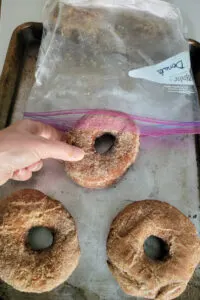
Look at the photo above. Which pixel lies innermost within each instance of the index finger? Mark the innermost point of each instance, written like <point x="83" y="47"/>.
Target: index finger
<point x="39" y="129"/>
<point x="58" y="150"/>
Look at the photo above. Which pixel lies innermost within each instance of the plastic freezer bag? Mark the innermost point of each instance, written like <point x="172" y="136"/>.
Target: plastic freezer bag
<point x="132" y="57"/>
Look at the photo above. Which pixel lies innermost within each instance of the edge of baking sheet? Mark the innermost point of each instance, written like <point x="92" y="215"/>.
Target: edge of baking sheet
<point x="10" y="77"/>
<point x="195" y="64"/>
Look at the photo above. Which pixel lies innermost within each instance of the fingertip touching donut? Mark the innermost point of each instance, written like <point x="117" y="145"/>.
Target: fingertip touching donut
<point x="140" y="275"/>
<point x="29" y="270"/>
<point x="100" y="170"/>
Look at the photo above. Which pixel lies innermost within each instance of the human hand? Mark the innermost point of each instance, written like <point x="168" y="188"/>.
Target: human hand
<point x="25" y="144"/>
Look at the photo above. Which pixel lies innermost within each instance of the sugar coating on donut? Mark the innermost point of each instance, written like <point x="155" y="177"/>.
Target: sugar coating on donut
<point x="97" y="170"/>
<point x="106" y="122"/>
<point x="36" y="271"/>
<point x="137" y="274"/>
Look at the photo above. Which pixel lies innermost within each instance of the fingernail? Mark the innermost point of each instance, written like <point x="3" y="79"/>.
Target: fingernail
<point x="77" y="154"/>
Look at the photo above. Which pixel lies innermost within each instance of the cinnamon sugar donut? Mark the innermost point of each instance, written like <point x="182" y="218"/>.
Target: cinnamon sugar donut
<point x="29" y="270"/>
<point x="75" y="21"/>
<point x="99" y="170"/>
<point x="162" y="277"/>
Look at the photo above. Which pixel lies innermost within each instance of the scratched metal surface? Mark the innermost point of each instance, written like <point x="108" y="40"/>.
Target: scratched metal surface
<point x="181" y="162"/>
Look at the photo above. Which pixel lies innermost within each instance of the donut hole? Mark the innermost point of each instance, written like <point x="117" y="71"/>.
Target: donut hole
<point x="156" y="249"/>
<point x="40" y="238"/>
<point x="104" y="143"/>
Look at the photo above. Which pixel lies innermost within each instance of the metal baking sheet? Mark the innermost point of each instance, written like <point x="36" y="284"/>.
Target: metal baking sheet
<point x="15" y="84"/>
<point x="18" y="72"/>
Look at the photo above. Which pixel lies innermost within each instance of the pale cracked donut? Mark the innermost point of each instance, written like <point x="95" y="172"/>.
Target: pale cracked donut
<point x="163" y="277"/>
<point x="99" y="170"/>
<point x="29" y="270"/>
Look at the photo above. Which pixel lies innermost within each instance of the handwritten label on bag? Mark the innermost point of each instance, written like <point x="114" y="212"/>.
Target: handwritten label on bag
<point x="174" y="70"/>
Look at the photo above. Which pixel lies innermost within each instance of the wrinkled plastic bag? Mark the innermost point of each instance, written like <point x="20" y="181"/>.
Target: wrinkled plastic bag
<point x="131" y="57"/>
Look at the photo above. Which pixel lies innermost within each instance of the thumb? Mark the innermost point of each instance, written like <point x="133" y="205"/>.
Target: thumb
<point x="58" y="150"/>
